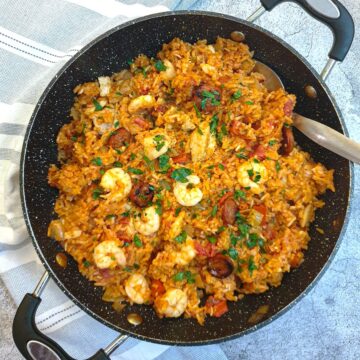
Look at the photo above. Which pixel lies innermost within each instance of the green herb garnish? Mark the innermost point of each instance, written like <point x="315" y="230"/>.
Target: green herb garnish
<point x="198" y="113"/>
<point x="181" y="175"/>
<point x="251" y="265"/>
<point x="221" y="166"/>
<point x="137" y="241"/>
<point x="233" y="253"/>
<point x="96" y="194"/>
<point x="159" y="66"/>
<point x="249" y="102"/>
<point x="159" y="141"/>
<point x="86" y="263"/>
<point x="181" y="237"/>
<point x="164" y="163"/>
<point x="135" y="171"/>
<point x="117" y="164"/>
<point x="97" y="161"/>
<point x="272" y="142"/>
<point x="277" y="166"/>
<point x="184" y="275"/>
<point x="214" y="211"/>
<point x="149" y="163"/>
<point x="116" y="124"/>
<point x="97" y="105"/>
<point x="212" y="239"/>
<point x="239" y="194"/>
<point x="213" y="124"/>
<point x="236" y="95"/>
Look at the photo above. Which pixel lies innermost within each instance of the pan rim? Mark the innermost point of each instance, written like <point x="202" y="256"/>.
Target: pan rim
<point x="48" y="267"/>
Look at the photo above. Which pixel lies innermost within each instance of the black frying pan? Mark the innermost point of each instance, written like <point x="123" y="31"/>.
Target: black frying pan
<point x="109" y="53"/>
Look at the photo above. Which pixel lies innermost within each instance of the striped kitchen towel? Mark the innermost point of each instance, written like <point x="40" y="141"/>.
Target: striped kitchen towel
<point x="36" y="38"/>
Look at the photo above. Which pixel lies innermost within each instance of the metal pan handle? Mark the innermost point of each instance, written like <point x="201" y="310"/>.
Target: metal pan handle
<point x="34" y="345"/>
<point x="330" y="12"/>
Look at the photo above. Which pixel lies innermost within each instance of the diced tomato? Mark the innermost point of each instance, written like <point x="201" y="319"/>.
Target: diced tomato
<point x="105" y="273"/>
<point x="262" y="210"/>
<point x="216" y="307"/>
<point x="259" y="152"/>
<point x="209" y="250"/>
<point x="224" y="197"/>
<point x="288" y="107"/>
<point x="157" y="288"/>
<point x="181" y="159"/>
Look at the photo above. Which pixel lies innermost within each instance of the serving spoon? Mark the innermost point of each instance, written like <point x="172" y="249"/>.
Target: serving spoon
<point x="317" y="132"/>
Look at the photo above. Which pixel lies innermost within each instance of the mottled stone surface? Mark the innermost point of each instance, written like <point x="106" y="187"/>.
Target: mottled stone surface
<point x="326" y="323"/>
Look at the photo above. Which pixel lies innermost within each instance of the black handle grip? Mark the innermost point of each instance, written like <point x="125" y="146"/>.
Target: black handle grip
<point x="31" y="342"/>
<point x="333" y="15"/>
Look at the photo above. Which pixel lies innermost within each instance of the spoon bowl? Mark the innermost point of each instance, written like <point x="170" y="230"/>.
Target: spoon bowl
<point x="316" y="131"/>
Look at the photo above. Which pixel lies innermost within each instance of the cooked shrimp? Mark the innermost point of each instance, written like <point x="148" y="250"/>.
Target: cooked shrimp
<point x="177" y="226"/>
<point x="186" y="254"/>
<point x="252" y="174"/>
<point x="105" y="85"/>
<point x="171" y="304"/>
<point x="141" y="102"/>
<point x="117" y="182"/>
<point x="169" y="73"/>
<point x="156" y="145"/>
<point x="149" y="221"/>
<point x="202" y="142"/>
<point x="137" y="289"/>
<point x="108" y="255"/>
<point x="186" y="193"/>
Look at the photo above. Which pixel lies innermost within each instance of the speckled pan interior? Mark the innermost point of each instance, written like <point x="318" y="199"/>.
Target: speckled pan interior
<point x="108" y="54"/>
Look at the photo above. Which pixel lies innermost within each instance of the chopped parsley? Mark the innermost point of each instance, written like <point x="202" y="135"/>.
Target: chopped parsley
<point x="233" y="253"/>
<point x="86" y="263"/>
<point x="249" y="102"/>
<point x="159" y="66"/>
<point x="250" y="172"/>
<point x="257" y="177"/>
<point x="96" y="194"/>
<point x="251" y="265"/>
<point x="158" y="206"/>
<point x="132" y="156"/>
<point x="209" y="96"/>
<point x="110" y="216"/>
<point x="126" y="213"/>
<point x="236" y="95"/>
<point x="116" y="124"/>
<point x="213" y="124"/>
<point x="277" y="166"/>
<point x="198" y="113"/>
<point x="199" y="131"/>
<point x="97" y="105"/>
<point x="137" y="241"/>
<point x="221" y="229"/>
<point x="135" y="171"/>
<point x="234" y="239"/>
<point x="159" y="141"/>
<point x="117" y="164"/>
<point x="214" y="211"/>
<point x="73" y="138"/>
<point x="241" y="154"/>
<point x="184" y="275"/>
<point x="181" y="175"/>
<point x="164" y="165"/>
<point x="272" y="142"/>
<point x="130" y="62"/>
<point x="239" y="194"/>
<point x="143" y="71"/>
<point x="102" y="171"/>
<point x="181" y="237"/>
<point x="118" y="93"/>
<point x="97" y="161"/>
<point x="221" y="166"/>
<point x="212" y="239"/>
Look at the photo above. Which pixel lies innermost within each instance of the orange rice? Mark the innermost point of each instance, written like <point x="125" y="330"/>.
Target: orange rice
<point x="221" y="124"/>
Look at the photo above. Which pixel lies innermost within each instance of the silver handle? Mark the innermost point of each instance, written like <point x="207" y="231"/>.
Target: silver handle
<point x="328" y="138"/>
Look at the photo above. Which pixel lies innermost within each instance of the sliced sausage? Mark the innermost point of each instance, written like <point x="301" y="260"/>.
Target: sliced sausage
<point x="287" y="142"/>
<point x="229" y="211"/>
<point x="142" y="194"/>
<point x="209" y="104"/>
<point x="220" y="266"/>
<point x="119" y="137"/>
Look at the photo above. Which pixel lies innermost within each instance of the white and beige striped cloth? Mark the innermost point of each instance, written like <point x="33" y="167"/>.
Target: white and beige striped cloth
<point x="36" y="38"/>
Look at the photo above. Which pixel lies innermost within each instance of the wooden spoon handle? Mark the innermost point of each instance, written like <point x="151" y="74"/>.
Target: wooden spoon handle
<point x="328" y="138"/>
